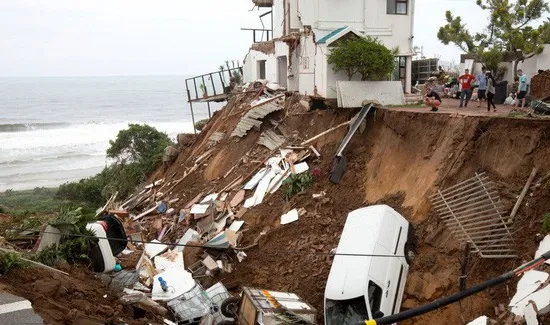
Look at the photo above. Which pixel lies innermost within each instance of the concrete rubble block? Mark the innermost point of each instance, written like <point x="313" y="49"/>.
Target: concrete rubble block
<point x="531" y="287"/>
<point x="482" y="320"/>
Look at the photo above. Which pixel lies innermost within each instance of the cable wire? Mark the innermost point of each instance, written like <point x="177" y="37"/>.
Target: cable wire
<point x="202" y="246"/>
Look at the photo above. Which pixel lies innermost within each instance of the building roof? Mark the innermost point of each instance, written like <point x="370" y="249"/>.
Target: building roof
<point x="337" y="34"/>
<point x="330" y="35"/>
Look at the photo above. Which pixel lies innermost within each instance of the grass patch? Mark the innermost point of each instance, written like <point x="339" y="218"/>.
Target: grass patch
<point x="40" y="201"/>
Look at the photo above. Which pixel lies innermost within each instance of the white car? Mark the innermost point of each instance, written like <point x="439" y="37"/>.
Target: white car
<point x="361" y="286"/>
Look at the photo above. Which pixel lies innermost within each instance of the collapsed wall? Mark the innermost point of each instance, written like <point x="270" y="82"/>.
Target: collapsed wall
<point x="400" y="159"/>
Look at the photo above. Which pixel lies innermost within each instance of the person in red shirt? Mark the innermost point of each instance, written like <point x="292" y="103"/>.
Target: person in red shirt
<point x="466" y="93"/>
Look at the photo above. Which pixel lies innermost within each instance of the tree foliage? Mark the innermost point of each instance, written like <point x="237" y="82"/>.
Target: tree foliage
<point x="136" y="151"/>
<point x="491" y="59"/>
<point x="510" y="28"/>
<point x="366" y="56"/>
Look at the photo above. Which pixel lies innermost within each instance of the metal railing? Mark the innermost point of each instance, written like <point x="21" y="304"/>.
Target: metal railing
<point x="214" y="84"/>
<point x="210" y="87"/>
<point x="473" y="212"/>
<point x="265" y="35"/>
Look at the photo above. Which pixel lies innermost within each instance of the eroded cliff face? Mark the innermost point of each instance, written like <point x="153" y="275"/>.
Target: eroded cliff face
<point x="400" y="159"/>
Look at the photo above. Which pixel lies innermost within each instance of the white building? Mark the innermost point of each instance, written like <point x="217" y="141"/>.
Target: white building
<point x="303" y="32"/>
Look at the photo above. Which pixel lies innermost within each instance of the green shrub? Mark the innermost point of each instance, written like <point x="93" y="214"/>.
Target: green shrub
<point x="366" y="56"/>
<point x="10" y="261"/>
<point x="297" y="183"/>
<point x="136" y="151"/>
<point x="76" y="240"/>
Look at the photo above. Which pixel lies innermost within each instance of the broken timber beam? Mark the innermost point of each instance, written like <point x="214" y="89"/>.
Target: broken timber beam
<point x="523" y="193"/>
<point x="325" y="132"/>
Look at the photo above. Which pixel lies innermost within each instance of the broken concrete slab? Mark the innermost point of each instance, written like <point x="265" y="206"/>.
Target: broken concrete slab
<point x="529" y="289"/>
<point x="210" y="198"/>
<point x="178" y="282"/>
<point x="482" y="320"/>
<point x="289" y="217"/>
<point x="169" y="260"/>
<point x="154" y="248"/>
<point x="351" y="94"/>
<point x="236" y="225"/>
<point x="199" y="208"/>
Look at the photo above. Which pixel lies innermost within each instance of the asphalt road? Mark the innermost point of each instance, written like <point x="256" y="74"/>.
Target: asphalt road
<point x="17" y="311"/>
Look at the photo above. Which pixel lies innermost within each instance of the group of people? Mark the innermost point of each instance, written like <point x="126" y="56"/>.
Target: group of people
<point x="486" y="90"/>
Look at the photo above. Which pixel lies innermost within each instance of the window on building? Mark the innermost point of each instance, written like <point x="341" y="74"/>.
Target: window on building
<point x="261" y="69"/>
<point x="397" y="7"/>
<point x="400" y="70"/>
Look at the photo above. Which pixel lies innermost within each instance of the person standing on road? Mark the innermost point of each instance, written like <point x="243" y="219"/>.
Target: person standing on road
<point x="522" y="89"/>
<point x="490" y="91"/>
<point x="466" y="93"/>
<point x="481" y="91"/>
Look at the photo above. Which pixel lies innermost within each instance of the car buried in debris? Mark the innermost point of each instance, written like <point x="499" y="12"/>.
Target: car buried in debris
<point x="370" y="266"/>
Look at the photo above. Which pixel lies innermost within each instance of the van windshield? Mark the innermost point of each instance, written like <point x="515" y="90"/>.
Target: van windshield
<point x="351" y="311"/>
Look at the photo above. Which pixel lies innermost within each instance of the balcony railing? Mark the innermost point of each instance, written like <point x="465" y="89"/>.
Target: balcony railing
<point x="260" y="35"/>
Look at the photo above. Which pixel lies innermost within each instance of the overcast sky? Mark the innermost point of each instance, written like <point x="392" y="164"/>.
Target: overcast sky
<point x="181" y="37"/>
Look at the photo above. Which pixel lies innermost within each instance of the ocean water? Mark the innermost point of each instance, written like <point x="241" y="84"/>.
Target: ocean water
<point x="54" y="130"/>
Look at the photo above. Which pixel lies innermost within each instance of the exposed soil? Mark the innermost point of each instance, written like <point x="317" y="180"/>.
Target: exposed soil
<point x="402" y="157"/>
<point x="78" y="299"/>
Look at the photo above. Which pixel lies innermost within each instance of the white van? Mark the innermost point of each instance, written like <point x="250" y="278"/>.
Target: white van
<point x="368" y="287"/>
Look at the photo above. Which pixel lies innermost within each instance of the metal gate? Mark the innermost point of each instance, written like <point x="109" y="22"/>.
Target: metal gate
<point x="473" y="212"/>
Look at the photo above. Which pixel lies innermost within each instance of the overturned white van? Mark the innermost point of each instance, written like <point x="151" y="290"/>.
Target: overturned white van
<point x="361" y="286"/>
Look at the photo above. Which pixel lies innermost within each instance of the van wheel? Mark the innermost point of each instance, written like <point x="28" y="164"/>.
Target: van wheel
<point x="230" y="307"/>
<point x="410" y="253"/>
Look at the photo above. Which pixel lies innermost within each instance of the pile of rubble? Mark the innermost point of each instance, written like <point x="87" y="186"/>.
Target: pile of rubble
<point x="539" y="86"/>
<point x="175" y="269"/>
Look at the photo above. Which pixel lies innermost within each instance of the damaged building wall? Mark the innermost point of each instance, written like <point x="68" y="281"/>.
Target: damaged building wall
<point x="310" y="73"/>
<point x="268" y="56"/>
<point x="306" y="52"/>
<point x="367" y="16"/>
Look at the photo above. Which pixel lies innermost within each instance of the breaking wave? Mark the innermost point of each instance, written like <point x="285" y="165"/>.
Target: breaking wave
<point x="23" y="127"/>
